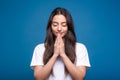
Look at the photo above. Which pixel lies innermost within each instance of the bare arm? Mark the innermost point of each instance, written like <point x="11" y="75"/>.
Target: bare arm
<point x="42" y="72"/>
<point x="77" y="72"/>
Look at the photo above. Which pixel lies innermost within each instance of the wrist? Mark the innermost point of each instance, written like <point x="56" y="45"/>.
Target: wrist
<point x="55" y="55"/>
<point x="63" y="55"/>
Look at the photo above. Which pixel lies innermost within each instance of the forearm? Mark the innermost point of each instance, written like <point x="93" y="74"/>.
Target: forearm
<point x="76" y="73"/>
<point x="44" y="72"/>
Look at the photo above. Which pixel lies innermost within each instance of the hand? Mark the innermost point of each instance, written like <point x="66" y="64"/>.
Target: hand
<point x="59" y="46"/>
<point x="56" y="46"/>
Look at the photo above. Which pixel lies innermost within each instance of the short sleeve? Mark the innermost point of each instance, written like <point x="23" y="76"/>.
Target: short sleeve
<point x="37" y="58"/>
<point x="82" y="58"/>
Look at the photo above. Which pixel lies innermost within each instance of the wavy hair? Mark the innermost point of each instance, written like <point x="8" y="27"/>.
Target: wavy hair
<point x="70" y="37"/>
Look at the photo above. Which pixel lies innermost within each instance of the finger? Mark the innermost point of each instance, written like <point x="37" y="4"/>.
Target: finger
<point x="60" y="38"/>
<point x="58" y="35"/>
<point x="57" y="41"/>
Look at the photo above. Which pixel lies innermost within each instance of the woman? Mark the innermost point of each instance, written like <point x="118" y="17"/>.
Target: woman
<point x="60" y="57"/>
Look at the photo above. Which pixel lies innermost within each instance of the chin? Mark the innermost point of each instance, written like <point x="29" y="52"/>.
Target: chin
<point x="62" y="35"/>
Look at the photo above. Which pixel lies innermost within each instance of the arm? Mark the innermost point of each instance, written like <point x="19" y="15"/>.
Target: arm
<point x="77" y="72"/>
<point x="42" y="72"/>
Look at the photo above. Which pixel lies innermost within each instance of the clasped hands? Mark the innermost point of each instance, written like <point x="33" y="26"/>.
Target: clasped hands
<point x="59" y="48"/>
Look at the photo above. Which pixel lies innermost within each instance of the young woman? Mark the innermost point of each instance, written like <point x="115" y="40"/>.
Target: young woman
<point x="60" y="57"/>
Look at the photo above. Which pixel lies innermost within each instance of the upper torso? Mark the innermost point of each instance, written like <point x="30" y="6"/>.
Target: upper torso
<point x="82" y="59"/>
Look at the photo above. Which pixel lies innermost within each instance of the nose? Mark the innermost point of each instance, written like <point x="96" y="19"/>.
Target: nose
<point x="59" y="28"/>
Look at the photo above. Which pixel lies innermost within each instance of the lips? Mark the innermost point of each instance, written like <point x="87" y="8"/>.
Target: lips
<point x="59" y="33"/>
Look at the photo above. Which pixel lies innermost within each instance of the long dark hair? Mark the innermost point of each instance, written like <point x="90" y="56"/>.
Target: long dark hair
<point x="70" y="37"/>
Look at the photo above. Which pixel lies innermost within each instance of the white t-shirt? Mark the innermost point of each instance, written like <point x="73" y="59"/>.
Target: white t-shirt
<point x="82" y="59"/>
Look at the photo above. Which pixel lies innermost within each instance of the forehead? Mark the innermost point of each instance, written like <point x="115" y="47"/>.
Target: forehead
<point x="59" y="18"/>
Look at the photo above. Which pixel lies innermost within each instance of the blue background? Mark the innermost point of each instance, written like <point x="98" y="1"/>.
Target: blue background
<point x="23" y="26"/>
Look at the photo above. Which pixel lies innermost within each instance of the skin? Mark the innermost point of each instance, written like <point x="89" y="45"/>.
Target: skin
<point x="59" y="25"/>
<point x="59" y="29"/>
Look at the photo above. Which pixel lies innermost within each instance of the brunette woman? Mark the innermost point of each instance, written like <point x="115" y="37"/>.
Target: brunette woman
<point x="60" y="57"/>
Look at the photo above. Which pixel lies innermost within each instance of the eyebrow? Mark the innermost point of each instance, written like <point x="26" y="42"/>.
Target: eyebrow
<point x="57" y="22"/>
<point x="54" y="22"/>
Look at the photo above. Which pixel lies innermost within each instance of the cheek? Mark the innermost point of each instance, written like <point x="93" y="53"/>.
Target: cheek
<point x="54" y="31"/>
<point x="65" y="30"/>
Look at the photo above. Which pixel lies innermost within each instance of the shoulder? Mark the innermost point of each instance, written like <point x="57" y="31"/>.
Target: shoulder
<point x="39" y="46"/>
<point x="80" y="45"/>
<point x="82" y="58"/>
<point x="37" y="58"/>
<point x="80" y="48"/>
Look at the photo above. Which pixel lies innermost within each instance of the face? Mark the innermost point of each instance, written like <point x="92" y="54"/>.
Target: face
<point x="59" y="25"/>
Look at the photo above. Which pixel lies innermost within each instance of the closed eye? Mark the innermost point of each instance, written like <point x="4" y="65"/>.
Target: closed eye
<point x="64" y="24"/>
<point x="55" y="24"/>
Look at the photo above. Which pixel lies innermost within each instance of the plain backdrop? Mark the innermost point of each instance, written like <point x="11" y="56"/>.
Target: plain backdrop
<point x="23" y="26"/>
